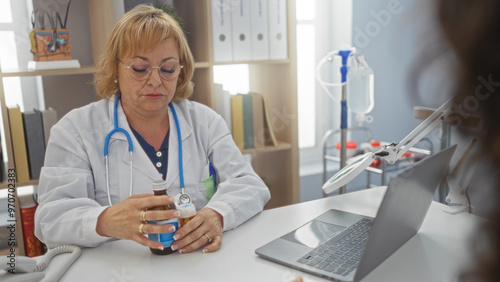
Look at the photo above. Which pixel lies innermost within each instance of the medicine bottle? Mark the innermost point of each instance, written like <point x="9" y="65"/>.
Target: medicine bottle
<point x="187" y="212"/>
<point x="167" y="239"/>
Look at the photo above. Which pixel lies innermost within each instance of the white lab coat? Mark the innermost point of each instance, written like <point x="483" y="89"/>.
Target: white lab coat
<point x="72" y="187"/>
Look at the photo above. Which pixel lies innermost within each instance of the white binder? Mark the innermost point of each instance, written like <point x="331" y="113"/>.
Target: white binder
<point x="241" y="30"/>
<point x="221" y="30"/>
<point x="278" y="47"/>
<point x="259" y="17"/>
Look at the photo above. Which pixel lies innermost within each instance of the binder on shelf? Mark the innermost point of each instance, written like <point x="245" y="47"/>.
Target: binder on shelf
<point x="259" y="18"/>
<point x="35" y="141"/>
<point x="258" y="120"/>
<point x="278" y="38"/>
<point x="223" y="104"/>
<point x="237" y="120"/>
<point x="49" y="118"/>
<point x="221" y="30"/>
<point x="248" y="134"/>
<point x="18" y="144"/>
<point x="241" y="30"/>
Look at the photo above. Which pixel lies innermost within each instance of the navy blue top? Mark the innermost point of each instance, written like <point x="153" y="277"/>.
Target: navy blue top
<point x="158" y="158"/>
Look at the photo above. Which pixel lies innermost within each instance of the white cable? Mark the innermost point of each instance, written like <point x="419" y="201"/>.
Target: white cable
<point x="106" y="164"/>
<point x="329" y="57"/>
<point x="61" y="268"/>
<point x="130" y="156"/>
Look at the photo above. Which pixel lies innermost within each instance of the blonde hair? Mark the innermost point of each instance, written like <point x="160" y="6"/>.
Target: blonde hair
<point x="142" y="28"/>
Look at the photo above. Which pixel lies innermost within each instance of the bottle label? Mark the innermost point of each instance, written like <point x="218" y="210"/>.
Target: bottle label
<point x="167" y="239"/>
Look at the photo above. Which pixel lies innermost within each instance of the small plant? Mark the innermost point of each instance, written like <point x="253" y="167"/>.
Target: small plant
<point x="169" y="9"/>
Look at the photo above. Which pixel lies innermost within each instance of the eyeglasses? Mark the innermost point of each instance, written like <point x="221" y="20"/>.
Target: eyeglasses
<point x="143" y="70"/>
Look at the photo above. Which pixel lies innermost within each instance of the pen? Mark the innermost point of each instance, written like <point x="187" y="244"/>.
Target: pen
<point x="212" y="172"/>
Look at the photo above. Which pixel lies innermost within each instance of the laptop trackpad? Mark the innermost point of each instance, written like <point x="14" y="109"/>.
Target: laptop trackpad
<point x="313" y="233"/>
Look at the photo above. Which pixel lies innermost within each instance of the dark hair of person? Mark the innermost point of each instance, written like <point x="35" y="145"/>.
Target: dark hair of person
<point x="472" y="30"/>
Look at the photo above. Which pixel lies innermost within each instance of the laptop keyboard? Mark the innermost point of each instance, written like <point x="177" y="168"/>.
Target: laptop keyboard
<point x="340" y="256"/>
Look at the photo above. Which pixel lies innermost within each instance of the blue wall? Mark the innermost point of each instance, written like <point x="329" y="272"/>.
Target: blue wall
<point x="395" y="36"/>
<point x="381" y="32"/>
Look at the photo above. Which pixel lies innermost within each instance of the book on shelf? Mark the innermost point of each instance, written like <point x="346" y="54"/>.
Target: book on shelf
<point x="258" y="120"/>
<point x="269" y="131"/>
<point x="35" y="141"/>
<point x="251" y="121"/>
<point x="237" y="120"/>
<point x="49" y="118"/>
<point x="32" y="245"/>
<point x="18" y="143"/>
<point x="248" y="136"/>
<point x="223" y="104"/>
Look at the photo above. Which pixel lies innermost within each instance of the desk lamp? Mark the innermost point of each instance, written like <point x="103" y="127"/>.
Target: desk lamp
<point x="458" y="182"/>
<point x="389" y="153"/>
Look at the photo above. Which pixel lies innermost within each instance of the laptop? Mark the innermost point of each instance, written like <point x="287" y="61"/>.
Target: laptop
<point x="344" y="246"/>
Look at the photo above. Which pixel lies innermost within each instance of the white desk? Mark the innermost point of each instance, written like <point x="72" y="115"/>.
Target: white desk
<point x="436" y="253"/>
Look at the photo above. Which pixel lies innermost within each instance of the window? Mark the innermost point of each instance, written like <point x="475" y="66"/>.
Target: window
<point x="322" y="26"/>
<point x="234" y="78"/>
<point x="305" y="74"/>
<point x="8" y="54"/>
<point x="15" y="54"/>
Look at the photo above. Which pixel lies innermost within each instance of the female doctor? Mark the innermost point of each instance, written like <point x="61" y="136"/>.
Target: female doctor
<point x="144" y="78"/>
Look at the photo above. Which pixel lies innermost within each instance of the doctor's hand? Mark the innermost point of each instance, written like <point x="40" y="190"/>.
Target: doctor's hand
<point x="123" y="220"/>
<point x="205" y="228"/>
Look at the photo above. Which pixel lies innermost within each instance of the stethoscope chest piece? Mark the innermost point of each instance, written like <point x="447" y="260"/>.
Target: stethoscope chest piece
<point x="184" y="199"/>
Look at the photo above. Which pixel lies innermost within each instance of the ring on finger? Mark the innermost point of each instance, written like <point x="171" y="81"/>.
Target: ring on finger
<point x="209" y="239"/>
<point x="140" y="228"/>
<point x="143" y="216"/>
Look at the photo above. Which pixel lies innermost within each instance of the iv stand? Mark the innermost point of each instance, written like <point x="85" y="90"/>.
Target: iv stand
<point x="343" y="113"/>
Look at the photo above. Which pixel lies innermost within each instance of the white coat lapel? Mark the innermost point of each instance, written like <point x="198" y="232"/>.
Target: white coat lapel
<point x="141" y="161"/>
<point x="173" y="174"/>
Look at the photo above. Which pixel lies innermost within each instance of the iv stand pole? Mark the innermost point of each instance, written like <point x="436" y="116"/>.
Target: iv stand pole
<point x="343" y="113"/>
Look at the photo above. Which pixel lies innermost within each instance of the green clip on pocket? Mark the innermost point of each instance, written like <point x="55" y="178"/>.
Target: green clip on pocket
<point x="209" y="187"/>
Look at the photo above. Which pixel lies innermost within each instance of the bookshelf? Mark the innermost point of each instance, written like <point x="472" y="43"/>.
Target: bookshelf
<point x="20" y="250"/>
<point x="275" y="79"/>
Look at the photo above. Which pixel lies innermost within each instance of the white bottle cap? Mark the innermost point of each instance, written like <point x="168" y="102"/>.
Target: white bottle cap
<point x="159" y="185"/>
<point x="186" y="210"/>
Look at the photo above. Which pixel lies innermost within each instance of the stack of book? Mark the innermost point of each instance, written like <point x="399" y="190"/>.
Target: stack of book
<point x="29" y="132"/>
<point x="248" y="118"/>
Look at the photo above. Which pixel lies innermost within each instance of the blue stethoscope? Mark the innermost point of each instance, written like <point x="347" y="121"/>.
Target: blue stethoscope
<point x="184" y="198"/>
